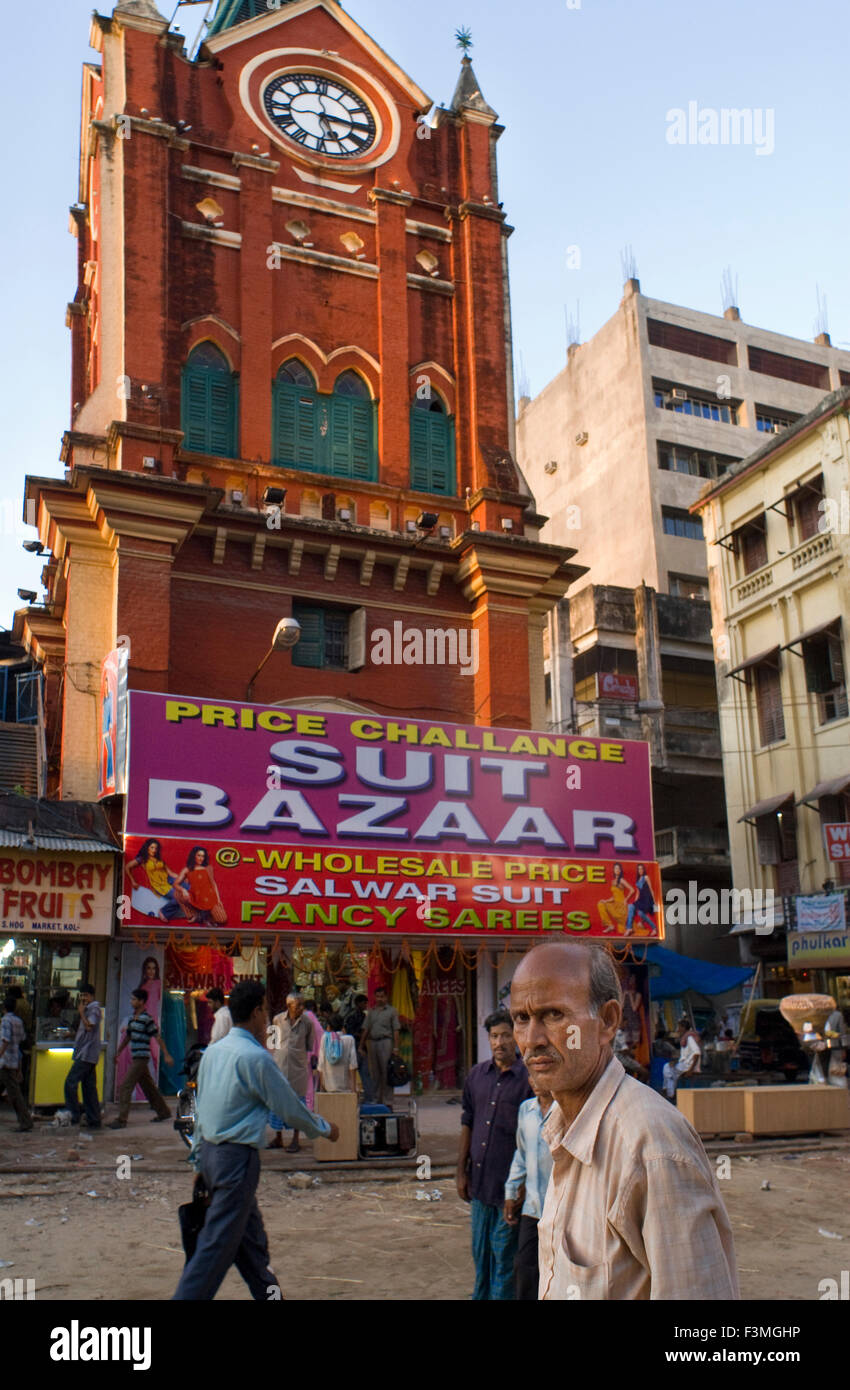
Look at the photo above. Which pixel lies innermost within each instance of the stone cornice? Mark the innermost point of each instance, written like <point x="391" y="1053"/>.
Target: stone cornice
<point x="73" y="438"/>
<point x="119" y="511"/>
<point x="201" y="232"/>
<point x="491" y="494"/>
<point x="263" y="162"/>
<point x="488" y="211"/>
<point x="390" y="195"/>
<point x="316" y="203"/>
<point x="531" y="571"/>
<point x="324" y="258"/>
<point x="134" y="429"/>
<point x="424" y="282"/>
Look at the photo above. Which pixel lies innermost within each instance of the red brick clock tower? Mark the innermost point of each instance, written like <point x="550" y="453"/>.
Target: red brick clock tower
<point x="291" y="339"/>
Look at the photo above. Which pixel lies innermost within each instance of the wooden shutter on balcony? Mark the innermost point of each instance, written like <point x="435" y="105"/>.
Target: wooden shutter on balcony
<point x="769" y="704"/>
<point x="767" y="833"/>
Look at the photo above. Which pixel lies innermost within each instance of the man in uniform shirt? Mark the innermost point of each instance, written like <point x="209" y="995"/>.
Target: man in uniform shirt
<point x="492" y="1096"/>
<point x="632" y="1209"/>
<point x="86" y="1056"/>
<point x="380" y="1034"/>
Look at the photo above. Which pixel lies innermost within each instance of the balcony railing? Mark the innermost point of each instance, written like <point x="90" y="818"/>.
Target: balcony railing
<point x="692" y="847"/>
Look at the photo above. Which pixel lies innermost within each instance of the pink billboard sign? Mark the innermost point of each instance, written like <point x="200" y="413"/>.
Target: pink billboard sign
<point x="244" y="815"/>
<point x="274" y="775"/>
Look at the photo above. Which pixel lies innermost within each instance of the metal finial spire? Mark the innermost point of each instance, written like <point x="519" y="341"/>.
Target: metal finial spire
<point x="464" y="39"/>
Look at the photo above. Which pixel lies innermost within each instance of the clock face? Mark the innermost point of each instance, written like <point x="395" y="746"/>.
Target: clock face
<point x="320" y="114"/>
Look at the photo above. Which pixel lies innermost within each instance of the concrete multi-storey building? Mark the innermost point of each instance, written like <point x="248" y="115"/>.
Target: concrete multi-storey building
<point x="616" y="450"/>
<point x="778" y="531"/>
<point x="618" y="446"/>
<point x="635" y="664"/>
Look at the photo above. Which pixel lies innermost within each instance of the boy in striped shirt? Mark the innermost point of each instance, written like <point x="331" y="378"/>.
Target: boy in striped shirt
<point x="138" y="1033"/>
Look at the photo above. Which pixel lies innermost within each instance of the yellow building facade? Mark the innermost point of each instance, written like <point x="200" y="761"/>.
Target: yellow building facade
<point x="777" y="529"/>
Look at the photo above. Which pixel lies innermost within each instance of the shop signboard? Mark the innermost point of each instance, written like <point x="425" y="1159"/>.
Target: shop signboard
<point x="829" y="949"/>
<point x="820" y="912"/>
<point x="837" y="839"/>
<point x="616" y="687"/>
<point x="275" y="819"/>
<point x="50" y="893"/>
<point x="111" y="779"/>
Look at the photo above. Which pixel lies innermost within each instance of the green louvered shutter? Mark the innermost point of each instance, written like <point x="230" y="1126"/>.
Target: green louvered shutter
<point x="193" y="402"/>
<point x="341" y="437"/>
<point x="222" y="416"/>
<point x="208" y="410"/>
<point x="294" y="423"/>
<point x="363" y="441"/>
<point x="310" y="647"/>
<point x="307" y="438"/>
<point x="432" y="452"/>
<point x="284" y="425"/>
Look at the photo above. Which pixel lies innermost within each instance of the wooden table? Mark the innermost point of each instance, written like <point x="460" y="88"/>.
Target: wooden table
<point x="766" y="1109"/>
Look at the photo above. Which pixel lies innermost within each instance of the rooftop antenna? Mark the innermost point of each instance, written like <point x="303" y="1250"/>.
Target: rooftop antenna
<point x="821" y="324"/>
<point x="572" y="325"/>
<point x="728" y="289"/>
<point x="628" y="264"/>
<point x="523" y="384"/>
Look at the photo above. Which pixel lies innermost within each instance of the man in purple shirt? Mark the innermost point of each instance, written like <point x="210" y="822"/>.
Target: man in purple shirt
<point x="492" y="1096"/>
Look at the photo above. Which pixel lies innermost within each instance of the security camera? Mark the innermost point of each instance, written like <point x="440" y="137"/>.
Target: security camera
<point x="27" y="595"/>
<point x="426" y="521"/>
<point x="34" y="547"/>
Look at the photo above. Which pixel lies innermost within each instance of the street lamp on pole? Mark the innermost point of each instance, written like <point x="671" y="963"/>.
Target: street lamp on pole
<point x="286" y="635"/>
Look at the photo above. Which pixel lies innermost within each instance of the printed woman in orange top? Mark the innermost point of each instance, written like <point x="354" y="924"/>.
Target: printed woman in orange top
<point x="614" y="911"/>
<point x="197" y="881"/>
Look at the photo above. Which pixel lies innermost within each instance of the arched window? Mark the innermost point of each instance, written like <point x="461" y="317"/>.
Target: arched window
<point x="432" y="447"/>
<point x="209" y="403"/>
<point x="295" y="418"/>
<point x="350" y="384"/>
<point x="324" y="434"/>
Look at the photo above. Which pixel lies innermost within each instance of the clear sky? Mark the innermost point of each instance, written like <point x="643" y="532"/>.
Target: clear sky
<point x="583" y="88"/>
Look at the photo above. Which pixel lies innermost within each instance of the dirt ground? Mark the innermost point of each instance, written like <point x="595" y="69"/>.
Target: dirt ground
<point x="348" y="1241"/>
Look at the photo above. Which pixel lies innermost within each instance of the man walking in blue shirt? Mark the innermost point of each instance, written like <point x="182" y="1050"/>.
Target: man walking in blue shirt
<point x="491" y="1099"/>
<point x="239" y="1085"/>
<point x="525" y="1189"/>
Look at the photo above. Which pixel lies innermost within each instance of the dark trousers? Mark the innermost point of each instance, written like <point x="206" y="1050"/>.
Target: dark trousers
<point x="83" y="1074"/>
<point x="12" y="1082"/>
<point x="526" y="1271"/>
<point x="233" y="1232"/>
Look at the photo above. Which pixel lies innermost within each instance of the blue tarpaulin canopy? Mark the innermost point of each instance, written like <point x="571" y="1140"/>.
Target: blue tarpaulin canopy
<point x="678" y="974"/>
